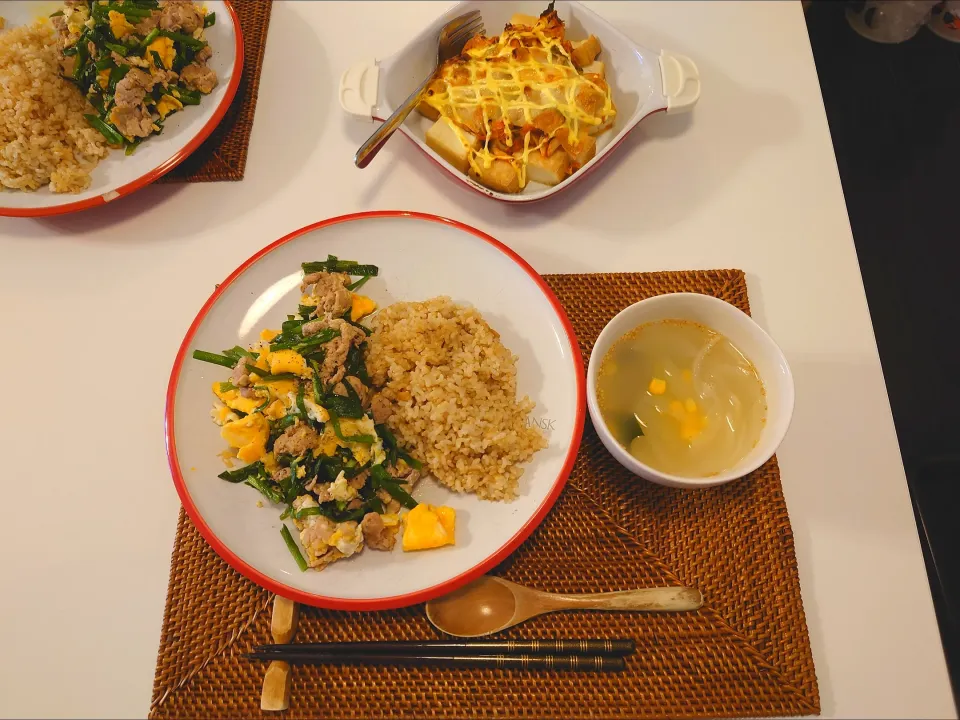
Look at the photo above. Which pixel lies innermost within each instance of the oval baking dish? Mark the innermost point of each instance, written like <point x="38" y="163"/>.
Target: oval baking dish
<point x="642" y="81"/>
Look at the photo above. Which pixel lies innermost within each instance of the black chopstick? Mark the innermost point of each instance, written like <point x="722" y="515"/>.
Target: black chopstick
<point x="444" y="648"/>
<point x="583" y="663"/>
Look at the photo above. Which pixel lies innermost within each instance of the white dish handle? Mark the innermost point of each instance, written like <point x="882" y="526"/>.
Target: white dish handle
<point x="359" y="86"/>
<point x="681" y="82"/>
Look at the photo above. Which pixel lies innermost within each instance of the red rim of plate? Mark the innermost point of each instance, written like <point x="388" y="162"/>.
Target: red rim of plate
<point x="168" y="164"/>
<point x="395" y="601"/>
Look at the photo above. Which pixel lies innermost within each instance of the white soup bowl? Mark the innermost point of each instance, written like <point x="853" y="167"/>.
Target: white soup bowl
<point x="743" y="332"/>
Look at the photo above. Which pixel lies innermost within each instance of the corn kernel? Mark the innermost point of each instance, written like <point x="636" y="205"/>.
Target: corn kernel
<point x="657" y="386"/>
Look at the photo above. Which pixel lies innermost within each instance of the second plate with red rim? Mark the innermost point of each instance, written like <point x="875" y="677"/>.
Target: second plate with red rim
<point x="420" y="256"/>
<point x="118" y="174"/>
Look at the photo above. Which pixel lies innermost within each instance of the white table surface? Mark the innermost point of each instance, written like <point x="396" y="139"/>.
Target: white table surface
<point x="94" y="305"/>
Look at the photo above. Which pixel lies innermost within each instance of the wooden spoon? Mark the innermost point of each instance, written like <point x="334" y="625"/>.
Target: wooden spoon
<point x="491" y="604"/>
<point x="276" y="682"/>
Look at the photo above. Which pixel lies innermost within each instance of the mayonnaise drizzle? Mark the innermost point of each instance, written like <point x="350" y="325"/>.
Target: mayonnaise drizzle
<point x="493" y="80"/>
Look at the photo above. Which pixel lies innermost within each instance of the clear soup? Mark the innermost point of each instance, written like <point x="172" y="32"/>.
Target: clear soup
<point x="681" y="398"/>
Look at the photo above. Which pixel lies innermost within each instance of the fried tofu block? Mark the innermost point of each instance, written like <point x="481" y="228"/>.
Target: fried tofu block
<point x="516" y="116"/>
<point x="539" y="55"/>
<point x="553" y="146"/>
<point x="590" y="100"/>
<point x="428" y="110"/>
<point x="596" y="79"/>
<point x="548" y="121"/>
<point x="551" y="25"/>
<point x="493" y="110"/>
<point x="478" y="43"/>
<point x="470" y="117"/>
<point x="582" y="151"/>
<point x="553" y="96"/>
<point x="436" y="87"/>
<point x="596" y="68"/>
<point x="458" y="76"/>
<point x="451" y="143"/>
<point x="521" y="54"/>
<point x="585" y="51"/>
<point x="599" y="129"/>
<point x="521" y="19"/>
<point x="548" y="170"/>
<point x="501" y="176"/>
<point x="528" y="75"/>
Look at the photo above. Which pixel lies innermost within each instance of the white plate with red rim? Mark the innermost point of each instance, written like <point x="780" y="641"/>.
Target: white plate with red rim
<point x="119" y="174"/>
<point x="643" y="81"/>
<point x="419" y="256"/>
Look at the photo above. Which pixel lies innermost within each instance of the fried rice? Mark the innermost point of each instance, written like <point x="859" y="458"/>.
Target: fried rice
<point x="453" y="385"/>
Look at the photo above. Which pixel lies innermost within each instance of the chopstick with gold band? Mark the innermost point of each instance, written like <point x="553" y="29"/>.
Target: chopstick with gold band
<point x="582" y="663"/>
<point x="617" y="647"/>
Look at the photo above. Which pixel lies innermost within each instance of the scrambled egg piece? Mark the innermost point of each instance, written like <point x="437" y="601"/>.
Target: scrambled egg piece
<point x="77" y="17"/>
<point x="347" y="538"/>
<point x="328" y="442"/>
<point x="361" y="306"/>
<point x="283" y="390"/>
<point x="232" y="399"/>
<point x="275" y="410"/>
<point x="429" y="526"/>
<point x="317" y="538"/>
<point x="103" y="78"/>
<point x="313" y="533"/>
<point x="262" y="363"/>
<point x="249" y="435"/>
<point x="269" y="462"/>
<point x="119" y="25"/>
<point x="222" y="415"/>
<point x="268" y="335"/>
<point x="314" y="411"/>
<point x="289" y="361"/>
<point x="162" y="46"/>
<point x="362" y="452"/>
<point x="341" y="490"/>
<point x="167" y="105"/>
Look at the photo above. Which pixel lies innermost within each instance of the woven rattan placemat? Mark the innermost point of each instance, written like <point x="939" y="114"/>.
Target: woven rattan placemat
<point x="223" y="155"/>
<point x="746" y="653"/>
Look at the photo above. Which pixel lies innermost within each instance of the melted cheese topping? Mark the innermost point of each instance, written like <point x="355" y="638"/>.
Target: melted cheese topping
<point x="498" y="87"/>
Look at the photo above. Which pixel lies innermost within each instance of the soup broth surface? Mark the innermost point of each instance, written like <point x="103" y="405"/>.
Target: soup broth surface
<point x="681" y="398"/>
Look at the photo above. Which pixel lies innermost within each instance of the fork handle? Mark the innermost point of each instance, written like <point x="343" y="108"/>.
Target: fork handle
<point x="372" y="146"/>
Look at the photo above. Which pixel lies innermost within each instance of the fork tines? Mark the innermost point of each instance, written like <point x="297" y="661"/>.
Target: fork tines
<point x="459" y="30"/>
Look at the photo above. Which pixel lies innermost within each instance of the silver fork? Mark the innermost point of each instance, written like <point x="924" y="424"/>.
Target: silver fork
<point x="453" y="37"/>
